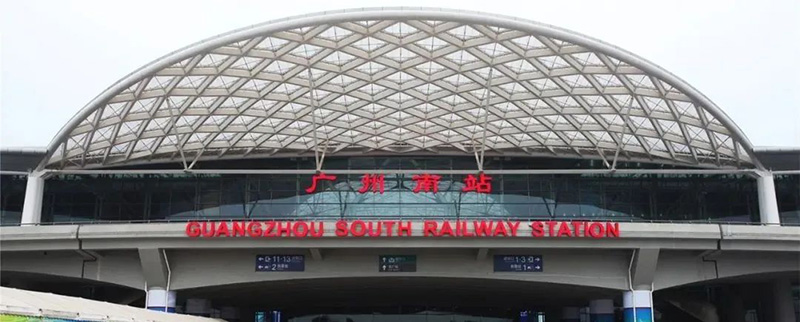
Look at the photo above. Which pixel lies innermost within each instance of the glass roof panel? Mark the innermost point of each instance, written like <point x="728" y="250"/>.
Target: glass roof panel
<point x="403" y="86"/>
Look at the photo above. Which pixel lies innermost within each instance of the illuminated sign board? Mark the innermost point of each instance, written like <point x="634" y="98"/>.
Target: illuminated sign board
<point x="397" y="263"/>
<point x="280" y="263"/>
<point x="518" y="263"/>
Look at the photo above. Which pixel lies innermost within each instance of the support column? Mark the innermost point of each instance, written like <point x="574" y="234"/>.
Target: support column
<point x="601" y="310"/>
<point x="638" y="306"/>
<point x="571" y="314"/>
<point x="782" y="301"/>
<point x="158" y="299"/>
<point x="767" y="199"/>
<point x="34" y="193"/>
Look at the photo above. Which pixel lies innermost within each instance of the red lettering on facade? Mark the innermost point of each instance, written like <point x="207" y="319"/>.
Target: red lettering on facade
<point x="341" y="228"/>
<point x="514" y="227"/>
<point x="193" y="229"/>
<point x="300" y="229"/>
<point x="537" y="229"/>
<point x="374" y="182"/>
<point x="222" y="229"/>
<point x="358" y="228"/>
<point x="595" y="230"/>
<point x="612" y="229"/>
<point x="404" y="230"/>
<point x="254" y="229"/>
<point x="426" y="183"/>
<point x="481" y="184"/>
<point x="388" y="228"/>
<point x="482" y="228"/>
<point x="429" y="228"/>
<point x="317" y="177"/>
<point x="239" y="228"/>
<point x="446" y="229"/>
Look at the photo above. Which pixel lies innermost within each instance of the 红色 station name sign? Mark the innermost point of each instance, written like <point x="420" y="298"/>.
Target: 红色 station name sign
<point x="395" y="228"/>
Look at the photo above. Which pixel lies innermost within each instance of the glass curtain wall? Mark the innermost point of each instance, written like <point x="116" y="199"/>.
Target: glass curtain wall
<point x="715" y="198"/>
<point x="12" y="196"/>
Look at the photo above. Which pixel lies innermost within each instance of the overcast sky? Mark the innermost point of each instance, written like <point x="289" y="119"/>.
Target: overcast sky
<point x="55" y="56"/>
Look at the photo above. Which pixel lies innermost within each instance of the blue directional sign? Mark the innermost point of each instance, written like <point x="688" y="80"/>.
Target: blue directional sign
<point x="397" y="263"/>
<point x="280" y="263"/>
<point x="518" y="263"/>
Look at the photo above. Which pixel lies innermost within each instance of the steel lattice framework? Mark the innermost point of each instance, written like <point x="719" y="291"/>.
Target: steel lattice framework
<point x="400" y="81"/>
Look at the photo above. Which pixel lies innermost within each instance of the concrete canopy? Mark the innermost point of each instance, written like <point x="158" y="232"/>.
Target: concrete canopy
<point x="400" y="81"/>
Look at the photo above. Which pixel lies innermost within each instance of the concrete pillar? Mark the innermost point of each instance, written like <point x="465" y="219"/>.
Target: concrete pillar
<point x="158" y="299"/>
<point x="767" y="199"/>
<point x="571" y="314"/>
<point x="601" y="310"/>
<point x="198" y="307"/>
<point x="783" y="307"/>
<point x="638" y="306"/>
<point x="34" y="193"/>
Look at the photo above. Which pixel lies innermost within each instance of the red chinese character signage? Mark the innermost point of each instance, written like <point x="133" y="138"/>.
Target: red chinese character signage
<point x="317" y="177"/>
<point x="371" y="182"/>
<point x="426" y="183"/>
<point x="482" y="184"/>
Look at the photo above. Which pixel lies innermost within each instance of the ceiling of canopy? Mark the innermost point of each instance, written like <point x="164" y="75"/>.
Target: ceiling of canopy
<point x="400" y="81"/>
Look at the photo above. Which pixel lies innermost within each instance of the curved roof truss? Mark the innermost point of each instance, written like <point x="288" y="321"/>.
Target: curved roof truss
<point x="394" y="81"/>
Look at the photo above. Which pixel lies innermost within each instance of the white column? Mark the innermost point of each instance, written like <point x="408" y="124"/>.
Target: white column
<point x="34" y="193"/>
<point x="158" y="299"/>
<point x="638" y="306"/>
<point x="782" y="301"/>
<point x="767" y="199"/>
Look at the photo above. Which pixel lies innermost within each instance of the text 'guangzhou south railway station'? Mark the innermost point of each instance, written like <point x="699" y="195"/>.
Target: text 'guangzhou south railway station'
<point x="407" y="164"/>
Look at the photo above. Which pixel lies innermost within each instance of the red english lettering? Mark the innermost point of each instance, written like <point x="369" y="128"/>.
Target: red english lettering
<point x="254" y="229"/>
<point x="284" y="229"/>
<point x="404" y="229"/>
<point x="514" y="227"/>
<point x="389" y="225"/>
<point x="500" y="229"/>
<point x="208" y="229"/>
<point x="192" y="229"/>
<point x="341" y="228"/>
<point x="300" y="229"/>
<point x="550" y="226"/>
<point x="372" y="232"/>
<point x="238" y="228"/>
<point x="563" y="230"/>
<point x="596" y="230"/>
<point x="358" y="228"/>
<point x="537" y="229"/>
<point x="464" y="230"/>
<point x="222" y="229"/>
<point x="576" y="228"/>
<point x="270" y="231"/>
<point x="482" y="228"/>
<point x="429" y="228"/>
<point x="612" y="229"/>
<point x="317" y="232"/>
<point x="446" y="229"/>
